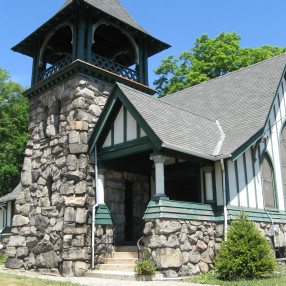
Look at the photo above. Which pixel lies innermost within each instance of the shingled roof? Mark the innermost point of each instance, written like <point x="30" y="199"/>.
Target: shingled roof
<point x="11" y="196"/>
<point x="113" y="8"/>
<point x="240" y="101"/>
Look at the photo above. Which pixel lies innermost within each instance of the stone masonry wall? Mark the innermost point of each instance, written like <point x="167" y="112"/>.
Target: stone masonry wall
<point x="50" y="226"/>
<point x="182" y="247"/>
<point x="115" y="186"/>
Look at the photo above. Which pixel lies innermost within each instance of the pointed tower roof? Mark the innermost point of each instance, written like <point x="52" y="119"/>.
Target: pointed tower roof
<point x="113" y="8"/>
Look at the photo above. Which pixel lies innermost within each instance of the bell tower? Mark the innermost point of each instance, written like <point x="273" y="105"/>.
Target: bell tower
<point x="78" y="55"/>
<point x="99" y="33"/>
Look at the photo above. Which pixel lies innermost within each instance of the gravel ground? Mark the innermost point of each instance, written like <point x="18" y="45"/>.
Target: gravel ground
<point x="94" y="281"/>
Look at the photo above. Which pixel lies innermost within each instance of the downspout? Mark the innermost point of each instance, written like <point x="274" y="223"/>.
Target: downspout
<point x="224" y="199"/>
<point x="94" y="207"/>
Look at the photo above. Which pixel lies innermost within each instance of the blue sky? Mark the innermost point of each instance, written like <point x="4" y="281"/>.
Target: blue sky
<point x="177" y="23"/>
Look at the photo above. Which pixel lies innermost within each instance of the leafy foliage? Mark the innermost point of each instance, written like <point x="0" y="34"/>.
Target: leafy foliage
<point x="145" y="265"/>
<point x="14" y="115"/>
<point x="246" y="254"/>
<point x="208" y="59"/>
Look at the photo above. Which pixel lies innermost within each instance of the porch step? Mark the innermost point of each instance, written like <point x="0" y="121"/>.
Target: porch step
<point x="128" y="261"/>
<point x="125" y="255"/>
<point x="126" y="248"/>
<point x="118" y="275"/>
<point x="117" y="267"/>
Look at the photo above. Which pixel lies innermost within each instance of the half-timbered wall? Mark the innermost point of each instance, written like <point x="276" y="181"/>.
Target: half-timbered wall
<point x="124" y="129"/>
<point x="244" y="178"/>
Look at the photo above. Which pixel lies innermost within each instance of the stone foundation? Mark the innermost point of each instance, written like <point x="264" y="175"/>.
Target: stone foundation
<point x="181" y="247"/>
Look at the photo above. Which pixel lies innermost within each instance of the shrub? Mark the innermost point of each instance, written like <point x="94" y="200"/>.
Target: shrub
<point x="246" y="253"/>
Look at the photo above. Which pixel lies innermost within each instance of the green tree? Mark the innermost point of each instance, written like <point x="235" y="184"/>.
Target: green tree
<point x="246" y="253"/>
<point x="14" y="115"/>
<point x="208" y="59"/>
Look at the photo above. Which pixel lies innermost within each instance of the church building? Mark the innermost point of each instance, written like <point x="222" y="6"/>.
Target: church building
<point x="109" y="166"/>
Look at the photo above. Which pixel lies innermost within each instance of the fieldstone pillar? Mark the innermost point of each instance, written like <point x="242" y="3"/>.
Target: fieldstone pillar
<point x="159" y="161"/>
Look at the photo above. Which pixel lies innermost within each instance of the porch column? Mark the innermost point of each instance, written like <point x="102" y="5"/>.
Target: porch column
<point x="100" y="187"/>
<point x="209" y="184"/>
<point x="159" y="161"/>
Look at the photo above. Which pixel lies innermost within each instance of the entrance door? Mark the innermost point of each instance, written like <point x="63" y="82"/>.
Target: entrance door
<point x="128" y="212"/>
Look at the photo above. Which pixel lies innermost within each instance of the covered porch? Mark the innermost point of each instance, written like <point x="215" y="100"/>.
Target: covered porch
<point x="136" y="172"/>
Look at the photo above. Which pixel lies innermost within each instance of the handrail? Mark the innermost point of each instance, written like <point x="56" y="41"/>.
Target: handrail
<point x="138" y="246"/>
<point x="101" y="242"/>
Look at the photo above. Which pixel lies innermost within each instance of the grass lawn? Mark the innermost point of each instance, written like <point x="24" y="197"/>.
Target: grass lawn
<point x="14" y="280"/>
<point x="270" y="280"/>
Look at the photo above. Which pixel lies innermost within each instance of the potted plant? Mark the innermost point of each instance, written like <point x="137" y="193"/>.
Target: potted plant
<point x="145" y="266"/>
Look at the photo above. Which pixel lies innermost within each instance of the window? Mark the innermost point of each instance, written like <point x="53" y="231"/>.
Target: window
<point x="283" y="159"/>
<point x="268" y="183"/>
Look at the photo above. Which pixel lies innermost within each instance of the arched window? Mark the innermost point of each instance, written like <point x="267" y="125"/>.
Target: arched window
<point x="283" y="159"/>
<point x="268" y="183"/>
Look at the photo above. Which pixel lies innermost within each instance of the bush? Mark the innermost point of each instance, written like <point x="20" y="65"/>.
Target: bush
<point x="246" y="253"/>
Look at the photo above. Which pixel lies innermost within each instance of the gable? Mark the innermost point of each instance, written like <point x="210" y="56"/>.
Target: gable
<point x="123" y="130"/>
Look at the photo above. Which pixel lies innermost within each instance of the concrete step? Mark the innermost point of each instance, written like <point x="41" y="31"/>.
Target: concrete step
<point x="126" y="261"/>
<point x="117" y="267"/>
<point x="125" y="255"/>
<point x="118" y="275"/>
<point x="126" y="248"/>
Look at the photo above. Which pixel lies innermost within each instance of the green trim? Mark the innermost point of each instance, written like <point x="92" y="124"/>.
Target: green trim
<point x="273" y="167"/>
<point x="124" y="124"/>
<point x="103" y="118"/>
<point x="226" y="181"/>
<point x="112" y="134"/>
<point x="82" y="68"/>
<point x="140" y="120"/>
<point x="237" y="182"/>
<point x="282" y="85"/>
<point x="125" y="149"/>
<point x="183" y="156"/>
<point x="239" y="151"/>
<point x="160" y="207"/>
<point x="254" y="179"/>
<point x="277" y="90"/>
<point x="138" y="131"/>
<point x="164" y="208"/>
<point x="258" y="215"/>
<point x="103" y="216"/>
<point x="246" y="179"/>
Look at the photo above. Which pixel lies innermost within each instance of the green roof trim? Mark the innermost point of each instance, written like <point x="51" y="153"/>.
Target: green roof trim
<point x="116" y="99"/>
<point x="86" y="69"/>
<point x="258" y="215"/>
<point x="103" y="216"/>
<point x="163" y="207"/>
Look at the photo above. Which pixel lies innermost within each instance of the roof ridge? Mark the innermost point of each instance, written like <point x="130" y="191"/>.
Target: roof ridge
<point x="167" y="103"/>
<point x="224" y="75"/>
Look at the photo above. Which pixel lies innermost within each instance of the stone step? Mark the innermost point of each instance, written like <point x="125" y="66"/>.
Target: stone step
<point x="125" y="255"/>
<point x="126" y="248"/>
<point x="117" y="267"/>
<point x="118" y="275"/>
<point x="126" y="261"/>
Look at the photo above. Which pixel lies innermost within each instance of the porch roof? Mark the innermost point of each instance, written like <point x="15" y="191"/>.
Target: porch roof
<point x="166" y="125"/>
